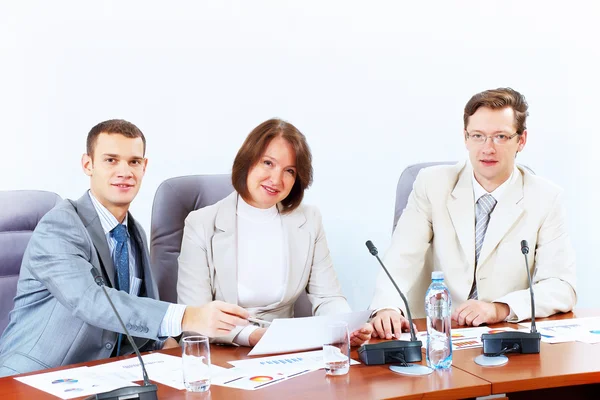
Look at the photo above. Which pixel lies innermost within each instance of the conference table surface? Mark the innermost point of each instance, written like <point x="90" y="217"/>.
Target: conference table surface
<point x="557" y="365"/>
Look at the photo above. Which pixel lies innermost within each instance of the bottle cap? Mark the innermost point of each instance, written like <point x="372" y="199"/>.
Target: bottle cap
<point x="437" y="275"/>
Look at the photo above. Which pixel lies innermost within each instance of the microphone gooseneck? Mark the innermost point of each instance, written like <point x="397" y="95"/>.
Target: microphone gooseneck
<point x="374" y="252"/>
<point x="149" y="390"/>
<point x="525" y="251"/>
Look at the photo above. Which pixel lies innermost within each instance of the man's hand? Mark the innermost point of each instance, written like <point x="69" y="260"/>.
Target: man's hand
<point x="213" y="319"/>
<point x="170" y="343"/>
<point x="256" y="336"/>
<point x="361" y="335"/>
<point x="476" y="312"/>
<point x="386" y="323"/>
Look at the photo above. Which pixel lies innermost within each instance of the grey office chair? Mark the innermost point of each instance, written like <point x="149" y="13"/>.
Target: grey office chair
<point x="20" y="212"/>
<point x="405" y="186"/>
<point x="175" y="198"/>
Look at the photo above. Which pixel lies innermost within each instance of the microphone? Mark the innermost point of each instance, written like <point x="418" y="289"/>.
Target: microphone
<point x="515" y="342"/>
<point x="403" y="351"/>
<point x="525" y="251"/>
<point x="146" y="392"/>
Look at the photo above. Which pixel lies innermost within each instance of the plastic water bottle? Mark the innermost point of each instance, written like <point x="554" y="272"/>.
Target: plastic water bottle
<point x="438" y="306"/>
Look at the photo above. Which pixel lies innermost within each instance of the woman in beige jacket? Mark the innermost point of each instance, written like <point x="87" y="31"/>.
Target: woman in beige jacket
<point x="260" y="247"/>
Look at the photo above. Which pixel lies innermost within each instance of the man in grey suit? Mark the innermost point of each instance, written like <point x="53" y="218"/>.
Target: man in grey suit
<point x="60" y="315"/>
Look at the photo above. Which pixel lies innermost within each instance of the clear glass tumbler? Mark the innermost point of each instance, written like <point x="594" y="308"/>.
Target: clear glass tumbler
<point x="196" y="363"/>
<point x="336" y="352"/>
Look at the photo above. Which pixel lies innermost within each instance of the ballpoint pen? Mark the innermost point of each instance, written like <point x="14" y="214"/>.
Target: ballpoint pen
<point x="259" y="321"/>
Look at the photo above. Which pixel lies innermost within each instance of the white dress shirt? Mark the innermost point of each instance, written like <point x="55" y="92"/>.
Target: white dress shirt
<point x="171" y="323"/>
<point x="479" y="191"/>
<point x="261" y="260"/>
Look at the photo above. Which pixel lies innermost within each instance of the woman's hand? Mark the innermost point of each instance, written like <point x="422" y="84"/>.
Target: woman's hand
<point x="361" y="335"/>
<point x="256" y="336"/>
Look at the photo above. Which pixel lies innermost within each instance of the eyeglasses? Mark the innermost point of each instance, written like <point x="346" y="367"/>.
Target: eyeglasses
<point x="500" y="138"/>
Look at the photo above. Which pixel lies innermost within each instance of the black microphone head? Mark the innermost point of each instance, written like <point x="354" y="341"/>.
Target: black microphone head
<point x="372" y="248"/>
<point x="524" y="247"/>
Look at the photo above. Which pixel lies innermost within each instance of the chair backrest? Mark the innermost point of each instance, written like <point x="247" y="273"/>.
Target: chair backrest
<point x="407" y="178"/>
<point x="175" y="198"/>
<point x="405" y="186"/>
<point x="20" y="212"/>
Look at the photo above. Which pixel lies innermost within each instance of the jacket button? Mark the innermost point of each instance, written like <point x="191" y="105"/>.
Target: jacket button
<point x="108" y="346"/>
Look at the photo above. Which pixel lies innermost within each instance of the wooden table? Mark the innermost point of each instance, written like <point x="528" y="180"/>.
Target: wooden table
<point x="563" y="370"/>
<point x="574" y="367"/>
<point x="362" y="382"/>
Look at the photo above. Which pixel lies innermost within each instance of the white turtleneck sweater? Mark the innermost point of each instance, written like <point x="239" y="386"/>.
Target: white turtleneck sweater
<point x="261" y="260"/>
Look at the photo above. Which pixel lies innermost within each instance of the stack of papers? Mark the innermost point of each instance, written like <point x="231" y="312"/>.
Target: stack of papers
<point x="251" y="374"/>
<point x="257" y="373"/>
<point x="76" y="382"/>
<point x="287" y="335"/>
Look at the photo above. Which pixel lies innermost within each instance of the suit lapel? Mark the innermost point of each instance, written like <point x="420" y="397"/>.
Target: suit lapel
<point x="461" y="208"/>
<point x="504" y="216"/>
<point x="142" y="257"/>
<point x="298" y="243"/>
<point x="91" y="221"/>
<point x="224" y="248"/>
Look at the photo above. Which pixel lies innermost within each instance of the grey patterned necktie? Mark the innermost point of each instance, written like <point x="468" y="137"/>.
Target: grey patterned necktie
<point x="483" y="208"/>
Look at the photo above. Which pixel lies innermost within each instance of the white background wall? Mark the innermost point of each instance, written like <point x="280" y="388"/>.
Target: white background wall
<point x="375" y="86"/>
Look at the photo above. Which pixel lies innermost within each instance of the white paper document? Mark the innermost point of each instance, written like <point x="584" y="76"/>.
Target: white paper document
<point x="257" y="373"/>
<point x="161" y="368"/>
<point x="296" y="361"/>
<point x="246" y="379"/>
<point x="75" y="382"/>
<point x="586" y="330"/>
<point x="297" y="334"/>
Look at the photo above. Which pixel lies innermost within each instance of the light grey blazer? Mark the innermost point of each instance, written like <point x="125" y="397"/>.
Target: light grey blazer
<point x="60" y="315"/>
<point x="208" y="262"/>
<point x="437" y="232"/>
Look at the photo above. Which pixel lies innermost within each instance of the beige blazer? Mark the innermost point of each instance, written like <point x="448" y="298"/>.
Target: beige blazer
<point x="437" y="232"/>
<point x="208" y="262"/>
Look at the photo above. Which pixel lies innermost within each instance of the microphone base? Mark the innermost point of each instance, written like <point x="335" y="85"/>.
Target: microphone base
<point x="148" y="392"/>
<point x="391" y="352"/>
<point x="494" y="343"/>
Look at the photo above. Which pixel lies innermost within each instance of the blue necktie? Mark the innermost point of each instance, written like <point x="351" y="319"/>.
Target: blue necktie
<point x="121" y="256"/>
<point x="121" y="260"/>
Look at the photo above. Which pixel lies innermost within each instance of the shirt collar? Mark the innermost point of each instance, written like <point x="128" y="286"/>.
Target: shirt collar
<point x="255" y="214"/>
<point x="479" y="191"/>
<point x="107" y="220"/>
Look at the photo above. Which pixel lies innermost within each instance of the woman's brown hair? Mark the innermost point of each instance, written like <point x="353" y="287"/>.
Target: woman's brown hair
<point x="254" y="148"/>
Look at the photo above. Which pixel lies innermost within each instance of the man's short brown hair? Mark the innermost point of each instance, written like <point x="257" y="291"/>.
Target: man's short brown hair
<point x="497" y="99"/>
<point x="254" y="148"/>
<point x="113" y="126"/>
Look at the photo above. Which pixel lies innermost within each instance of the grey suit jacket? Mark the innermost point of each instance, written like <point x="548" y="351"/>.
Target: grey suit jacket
<point x="60" y="315"/>
<point x="208" y="263"/>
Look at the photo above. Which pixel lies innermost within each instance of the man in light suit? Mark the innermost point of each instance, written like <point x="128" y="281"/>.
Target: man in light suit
<point x="468" y="220"/>
<point x="60" y="315"/>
